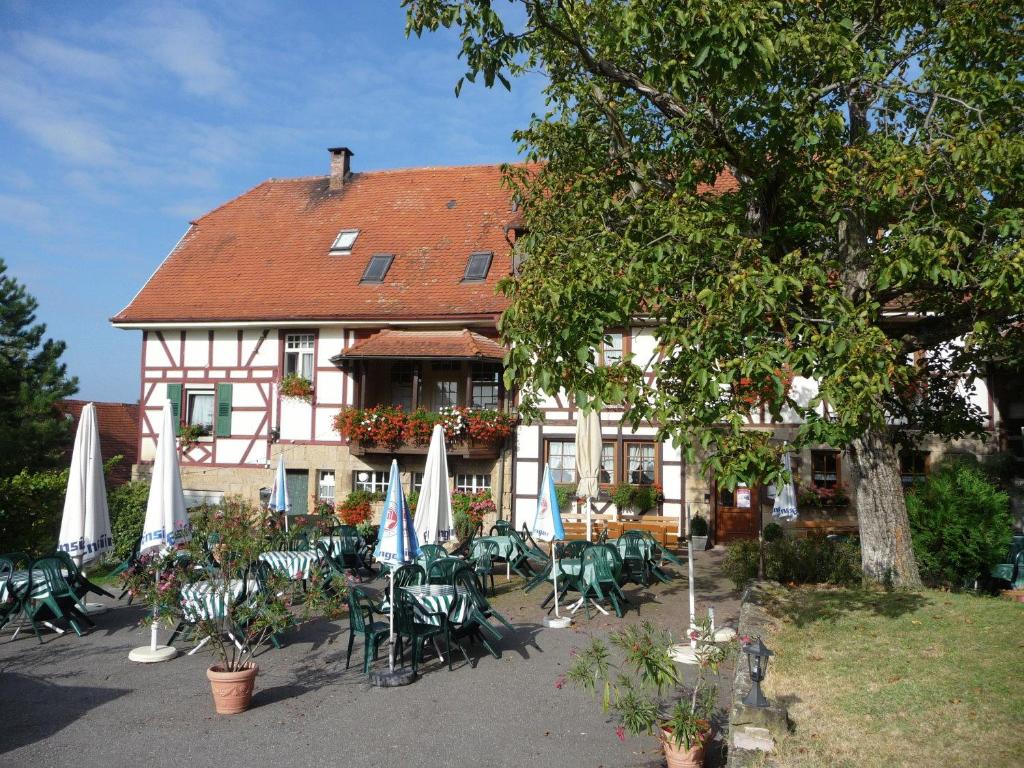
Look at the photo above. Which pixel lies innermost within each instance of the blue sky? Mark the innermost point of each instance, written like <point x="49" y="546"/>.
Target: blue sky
<point x="120" y="122"/>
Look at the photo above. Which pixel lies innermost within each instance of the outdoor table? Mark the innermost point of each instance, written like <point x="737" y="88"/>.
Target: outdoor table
<point x="572" y="566"/>
<point x="646" y="547"/>
<point x="209" y="599"/>
<point x="439" y="598"/>
<point x="40" y="590"/>
<point x="297" y="566"/>
<point x="336" y="542"/>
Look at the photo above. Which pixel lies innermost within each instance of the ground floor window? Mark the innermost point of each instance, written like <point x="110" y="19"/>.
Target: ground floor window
<point x="561" y="458"/>
<point x="472" y="483"/>
<point x="641" y="463"/>
<point x="371" y="480"/>
<point x="607" y="474"/>
<point x="913" y="466"/>
<point x="416" y="482"/>
<point x="325" y="485"/>
<point x="199" y="408"/>
<point x="825" y="469"/>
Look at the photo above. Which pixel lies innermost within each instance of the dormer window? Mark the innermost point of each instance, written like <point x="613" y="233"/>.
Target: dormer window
<point x="344" y="241"/>
<point x="478" y="267"/>
<point x="378" y="267"/>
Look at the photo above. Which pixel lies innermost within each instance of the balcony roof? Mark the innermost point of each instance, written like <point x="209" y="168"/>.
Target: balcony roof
<point x="424" y="345"/>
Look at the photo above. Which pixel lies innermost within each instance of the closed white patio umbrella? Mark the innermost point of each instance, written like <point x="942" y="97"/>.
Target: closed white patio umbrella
<point x="85" y="525"/>
<point x="588" y="461"/>
<point x="166" y="519"/>
<point x="279" y="501"/>
<point x="434" y="522"/>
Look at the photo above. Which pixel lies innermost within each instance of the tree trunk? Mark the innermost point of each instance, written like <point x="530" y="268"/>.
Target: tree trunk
<point x="886" y="553"/>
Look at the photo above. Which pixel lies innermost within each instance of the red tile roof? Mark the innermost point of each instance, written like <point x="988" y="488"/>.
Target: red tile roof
<point x="266" y="254"/>
<point x="426" y="344"/>
<point x="119" y="433"/>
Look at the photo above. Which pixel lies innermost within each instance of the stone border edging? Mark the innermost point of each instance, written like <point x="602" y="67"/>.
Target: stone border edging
<point x="752" y="730"/>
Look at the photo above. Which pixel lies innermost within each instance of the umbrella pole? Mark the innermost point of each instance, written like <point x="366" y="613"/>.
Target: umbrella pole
<point x="391" y="624"/>
<point x="590" y="524"/>
<point x="689" y="560"/>
<point x="152" y="628"/>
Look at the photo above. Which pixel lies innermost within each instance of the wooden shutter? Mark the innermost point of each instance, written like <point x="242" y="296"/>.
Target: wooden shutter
<point x="174" y="395"/>
<point x="223" y="426"/>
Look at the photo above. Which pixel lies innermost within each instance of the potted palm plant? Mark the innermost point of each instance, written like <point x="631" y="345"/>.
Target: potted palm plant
<point x="230" y="602"/>
<point x="645" y="690"/>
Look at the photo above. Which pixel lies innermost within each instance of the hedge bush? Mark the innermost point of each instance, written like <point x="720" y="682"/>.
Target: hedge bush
<point x="31" y="505"/>
<point x="960" y="524"/>
<point x="809" y="560"/>
<point x="127" y="505"/>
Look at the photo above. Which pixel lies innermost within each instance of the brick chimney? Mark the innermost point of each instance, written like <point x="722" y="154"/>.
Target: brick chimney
<point x="341" y="158"/>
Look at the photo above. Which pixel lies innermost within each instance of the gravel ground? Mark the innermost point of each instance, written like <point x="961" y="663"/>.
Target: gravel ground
<point x="79" y="701"/>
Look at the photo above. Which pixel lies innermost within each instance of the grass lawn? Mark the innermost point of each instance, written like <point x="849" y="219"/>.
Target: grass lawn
<point x="898" y="679"/>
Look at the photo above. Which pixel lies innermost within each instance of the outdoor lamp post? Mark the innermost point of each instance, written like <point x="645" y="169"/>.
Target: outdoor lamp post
<point x="757" y="663"/>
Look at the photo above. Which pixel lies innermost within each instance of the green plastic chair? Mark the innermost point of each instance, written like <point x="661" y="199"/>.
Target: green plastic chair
<point x="636" y="566"/>
<point x="360" y="621"/>
<point x="440" y="571"/>
<point x="429" y="553"/>
<point x="478" y="622"/>
<point x="484" y="556"/>
<point x="408" y="626"/>
<point x="78" y="581"/>
<point x="12" y="603"/>
<point x="500" y="528"/>
<point x="1012" y="570"/>
<point x="409" y="575"/>
<point x="598" y="578"/>
<point x="58" y="600"/>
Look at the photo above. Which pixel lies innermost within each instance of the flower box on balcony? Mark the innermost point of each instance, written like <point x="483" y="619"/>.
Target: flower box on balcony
<point x="472" y="434"/>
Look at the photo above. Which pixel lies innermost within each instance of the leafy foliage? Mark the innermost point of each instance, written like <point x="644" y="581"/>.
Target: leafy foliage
<point x="961" y="524"/>
<point x="469" y="510"/>
<point x="806" y="190"/>
<point x="636" y="497"/>
<point x="644" y="687"/>
<point x="127" y="505"/>
<point x="698" y="526"/>
<point x="31" y="504"/>
<point x="32" y="380"/>
<point x="810" y="560"/>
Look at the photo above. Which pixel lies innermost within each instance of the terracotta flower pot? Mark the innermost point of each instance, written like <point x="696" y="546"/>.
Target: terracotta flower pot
<point x="683" y="757"/>
<point x="232" y="691"/>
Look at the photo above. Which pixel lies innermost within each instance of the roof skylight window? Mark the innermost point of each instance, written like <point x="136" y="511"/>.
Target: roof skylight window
<point x="478" y="267"/>
<point x="344" y="241"/>
<point x="378" y="267"/>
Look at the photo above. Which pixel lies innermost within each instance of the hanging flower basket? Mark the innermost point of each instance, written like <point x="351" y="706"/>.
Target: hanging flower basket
<point x="296" y="387"/>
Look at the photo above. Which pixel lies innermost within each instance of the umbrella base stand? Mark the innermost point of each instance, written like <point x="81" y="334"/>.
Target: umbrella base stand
<point x="684" y="654"/>
<point x="392" y="679"/>
<point x="93" y="609"/>
<point x="557" y="622"/>
<point x="149" y="655"/>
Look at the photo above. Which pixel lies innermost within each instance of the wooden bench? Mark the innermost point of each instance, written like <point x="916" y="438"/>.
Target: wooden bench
<point x="664" y="530"/>
<point x="823" y="527"/>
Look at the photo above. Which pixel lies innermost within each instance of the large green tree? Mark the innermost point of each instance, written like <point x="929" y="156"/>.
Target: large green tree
<point x="32" y="379"/>
<point x="865" y="230"/>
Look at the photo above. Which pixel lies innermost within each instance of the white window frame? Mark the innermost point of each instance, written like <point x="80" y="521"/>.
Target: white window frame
<point x="472" y="483"/>
<point x="344" y="242"/>
<point x="299" y="349"/>
<point x="567" y="447"/>
<point x="193" y="392"/>
<point x="325" y="491"/>
<point x="610" y="353"/>
<point x="376" y="480"/>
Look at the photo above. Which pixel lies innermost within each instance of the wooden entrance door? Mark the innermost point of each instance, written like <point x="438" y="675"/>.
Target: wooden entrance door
<point x="736" y="513"/>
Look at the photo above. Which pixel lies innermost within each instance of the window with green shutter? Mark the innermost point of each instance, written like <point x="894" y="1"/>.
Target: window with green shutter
<point x="174" y="395"/>
<point x="223" y="428"/>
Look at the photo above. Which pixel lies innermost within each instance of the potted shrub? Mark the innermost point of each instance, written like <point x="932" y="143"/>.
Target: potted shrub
<point x="356" y="508"/>
<point x="296" y="387"/>
<point x="634" y="499"/>
<point x="645" y="690"/>
<point x="468" y="511"/>
<point x="234" y="531"/>
<point x="699" y="533"/>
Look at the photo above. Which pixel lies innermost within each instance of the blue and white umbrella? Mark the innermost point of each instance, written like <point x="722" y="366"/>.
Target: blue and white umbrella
<point x="396" y="543"/>
<point x="547" y="522"/>
<point x="784" y="507"/>
<point x="279" y="495"/>
<point x="547" y="526"/>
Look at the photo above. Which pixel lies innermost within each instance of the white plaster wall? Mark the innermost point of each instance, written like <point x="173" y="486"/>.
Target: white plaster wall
<point x="325" y="424"/>
<point x="331" y="342"/>
<point x="526" y="439"/>
<point x="295" y="419"/>
<point x="246" y="395"/>
<point x="329" y="387"/>
<point x="225" y="347"/>
<point x="527" y="478"/>
<point x="246" y="422"/>
<point x="155" y="353"/>
<point x="268" y="351"/>
<point x="197" y="348"/>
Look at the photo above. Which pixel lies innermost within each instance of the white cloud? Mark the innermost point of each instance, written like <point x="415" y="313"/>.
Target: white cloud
<point x="185" y="43"/>
<point x="26" y="214"/>
<point x="65" y="59"/>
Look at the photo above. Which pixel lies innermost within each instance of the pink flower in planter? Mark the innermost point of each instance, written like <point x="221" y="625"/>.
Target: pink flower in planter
<point x="620" y="732"/>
